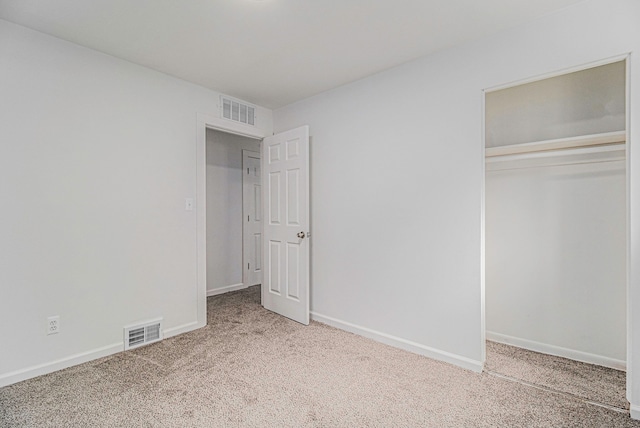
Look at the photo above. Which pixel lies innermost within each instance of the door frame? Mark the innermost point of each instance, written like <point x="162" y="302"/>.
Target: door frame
<point x="627" y="59"/>
<point x="204" y="122"/>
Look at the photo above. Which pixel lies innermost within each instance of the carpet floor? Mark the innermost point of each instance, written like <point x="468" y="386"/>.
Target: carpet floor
<point x="252" y="368"/>
<point x="586" y="381"/>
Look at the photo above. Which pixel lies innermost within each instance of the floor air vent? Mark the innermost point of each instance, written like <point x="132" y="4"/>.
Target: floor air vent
<point x="238" y="111"/>
<point x="142" y="334"/>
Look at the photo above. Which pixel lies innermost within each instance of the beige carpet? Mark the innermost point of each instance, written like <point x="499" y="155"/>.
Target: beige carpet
<point x="252" y="368"/>
<point x="587" y="381"/>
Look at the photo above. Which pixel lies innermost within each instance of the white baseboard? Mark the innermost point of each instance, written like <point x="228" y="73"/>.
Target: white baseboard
<point x="184" y="328"/>
<point x="398" y="342"/>
<point x="83" y="357"/>
<point x="226" y="289"/>
<point x="634" y="411"/>
<point x="63" y="363"/>
<point x="558" y="351"/>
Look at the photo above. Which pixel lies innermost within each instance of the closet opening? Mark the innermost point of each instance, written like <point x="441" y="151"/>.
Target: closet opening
<point x="555" y="232"/>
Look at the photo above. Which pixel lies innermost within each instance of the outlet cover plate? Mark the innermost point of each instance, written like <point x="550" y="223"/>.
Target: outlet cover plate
<point x="53" y="325"/>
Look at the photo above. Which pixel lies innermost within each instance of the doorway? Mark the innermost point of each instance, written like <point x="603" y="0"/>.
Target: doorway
<point x="233" y="220"/>
<point x="285" y="205"/>
<point x="555" y="214"/>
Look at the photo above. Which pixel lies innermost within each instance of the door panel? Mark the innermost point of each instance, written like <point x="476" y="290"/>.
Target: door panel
<point x="286" y="242"/>
<point x="293" y="203"/>
<point x="274" y="198"/>
<point x="274" y="267"/>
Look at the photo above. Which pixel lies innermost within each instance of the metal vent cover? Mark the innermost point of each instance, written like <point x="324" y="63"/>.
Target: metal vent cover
<point x="142" y="334"/>
<point x="238" y="111"/>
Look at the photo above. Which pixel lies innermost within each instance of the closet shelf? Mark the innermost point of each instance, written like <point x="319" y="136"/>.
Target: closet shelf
<point x="613" y="152"/>
<point x="582" y="141"/>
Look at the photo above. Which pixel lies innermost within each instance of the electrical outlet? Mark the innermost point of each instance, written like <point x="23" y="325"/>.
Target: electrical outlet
<point x="53" y="325"/>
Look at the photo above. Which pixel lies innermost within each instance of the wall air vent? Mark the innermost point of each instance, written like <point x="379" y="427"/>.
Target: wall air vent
<point x="238" y="111"/>
<point x="142" y="334"/>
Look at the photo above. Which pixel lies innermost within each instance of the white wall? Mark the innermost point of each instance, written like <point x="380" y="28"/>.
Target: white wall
<point x="224" y="208"/>
<point x="556" y="259"/>
<point x="97" y="156"/>
<point x="397" y="174"/>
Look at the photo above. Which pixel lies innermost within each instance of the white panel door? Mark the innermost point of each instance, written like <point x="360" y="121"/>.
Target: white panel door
<point x="252" y="218"/>
<point x="285" y="178"/>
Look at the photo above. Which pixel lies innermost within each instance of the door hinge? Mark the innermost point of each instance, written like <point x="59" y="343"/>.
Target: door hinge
<point x="247" y="266"/>
<point x="247" y="218"/>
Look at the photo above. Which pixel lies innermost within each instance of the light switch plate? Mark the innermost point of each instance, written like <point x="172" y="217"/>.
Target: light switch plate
<point x="188" y="204"/>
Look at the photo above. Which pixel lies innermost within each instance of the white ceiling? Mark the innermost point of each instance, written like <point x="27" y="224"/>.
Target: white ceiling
<point x="272" y="52"/>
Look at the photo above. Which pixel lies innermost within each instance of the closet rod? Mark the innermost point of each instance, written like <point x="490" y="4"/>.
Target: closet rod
<point x="581" y="141"/>
<point x="585" y="155"/>
<point x="550" y="165"/>
<point x="592" y="151"/>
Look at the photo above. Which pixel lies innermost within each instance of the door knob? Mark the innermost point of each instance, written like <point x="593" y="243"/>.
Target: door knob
<point x="301" y="235"/>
